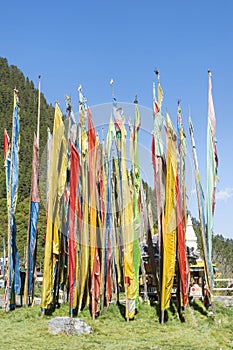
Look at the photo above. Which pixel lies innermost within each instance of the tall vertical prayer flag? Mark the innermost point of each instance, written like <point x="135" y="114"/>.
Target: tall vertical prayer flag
<point x="74" y="174"/>
<point x="212" y="166"/>
<point x="52" y="241"/>
<point x="128" y="231"/>
<point x="34" y="213"/>
<point x="109" y="219"/>
<point x="15" y="152"/>
<point x="159" y="177"/>
<point x="84" y="255"/>
<point x="201" y="208"/>
<point x="181" y="209"/>
<point x="7" y="159"/>
<point x="136" y="182"/>
<point x="13" y="259"/>
<point x="94" y="257"/>
<point x="169" y="236"/>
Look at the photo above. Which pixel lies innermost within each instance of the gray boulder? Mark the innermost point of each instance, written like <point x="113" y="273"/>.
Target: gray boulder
<point x="69" y="326"/>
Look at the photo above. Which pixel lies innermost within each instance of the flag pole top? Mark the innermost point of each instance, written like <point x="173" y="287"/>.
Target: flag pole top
<point x="113" y="94"/>
<point x="209" y="72"/>
<point x="135" y="99"/>
<point x="112" y="86"/>
<point x="102" y="134"/>
<point x="179" y="109"/>
<point x="156" y="71"/>
<point x="68" y="103"/>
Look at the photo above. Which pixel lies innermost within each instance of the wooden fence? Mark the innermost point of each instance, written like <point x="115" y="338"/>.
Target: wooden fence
<point x="226" y="285"/>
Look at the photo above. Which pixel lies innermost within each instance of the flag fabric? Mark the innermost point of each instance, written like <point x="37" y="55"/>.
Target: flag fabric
<point x="117" y="218"/>
<point x="104" y="203"/>
<point x="6" y="143"/>
<point x="182" y="258"/>
<point x="34" y="214"/>
<point x="169" y="236"/>
<point x="108" y="235"/>
<point x="136" y="182"/>
<point x="94" y="256"/>
<point x="102" y="196"/>
<point x="108" y="232"/>
<point x="201" y="207"/>
<point x="111" y="134"/>
<point x="212" y="167"/>
<point x="14" y="281"/>
<point x="128" y="231"/>
<point x="15" y="153"/>
<point x="92" y="140"/>
<point x="49" y="146"/>
<point x="84" y="239"/>
<point x="58" y="208"/>
<point x="55" y="190"/>
<point x="160" y="95"/>
<point x="158" y="162"/>
<point x="127" y="223"/>
<point x="7" y="163"/>
<point x="181" y="209"/>
<point x="58" y="213"/>
<point x="74" y="175"/>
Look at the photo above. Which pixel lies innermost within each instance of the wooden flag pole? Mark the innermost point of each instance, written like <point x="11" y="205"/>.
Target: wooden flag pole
<point x="38" y="113"/>
<point x="38" y="143"/>
<point x="28" y="237"/>
<point x="127" y="298"/>
<point x="25" y="299"/>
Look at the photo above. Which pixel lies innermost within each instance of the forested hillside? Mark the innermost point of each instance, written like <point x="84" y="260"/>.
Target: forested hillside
<point x="222" y="251"/>
<point x="11" y="77"/>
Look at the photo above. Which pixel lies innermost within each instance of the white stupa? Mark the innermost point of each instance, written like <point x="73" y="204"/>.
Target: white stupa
<point x="191" y="238"/>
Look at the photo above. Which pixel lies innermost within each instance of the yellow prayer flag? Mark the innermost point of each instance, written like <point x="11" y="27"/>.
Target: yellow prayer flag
<point x="169" y="237"/>
<point x="51" y="244"/>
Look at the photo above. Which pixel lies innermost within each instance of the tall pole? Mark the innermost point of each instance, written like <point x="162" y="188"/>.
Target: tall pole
<point x="38" y="113"/>
<point x="38" y="143"/>
<point x="28" y="237"/>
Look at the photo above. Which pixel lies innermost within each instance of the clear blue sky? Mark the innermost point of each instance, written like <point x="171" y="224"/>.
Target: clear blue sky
<point x="89" y="42"/>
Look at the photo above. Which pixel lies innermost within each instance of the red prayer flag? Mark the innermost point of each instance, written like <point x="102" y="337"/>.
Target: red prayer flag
<point x="74" y="174"/>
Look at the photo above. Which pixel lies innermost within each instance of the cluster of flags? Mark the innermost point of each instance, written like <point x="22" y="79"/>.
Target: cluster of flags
<point x="93" y="213"/>
<point x="97" y="213"/>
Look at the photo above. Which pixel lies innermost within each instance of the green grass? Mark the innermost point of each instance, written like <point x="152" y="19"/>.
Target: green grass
<point x="25" y="328"/>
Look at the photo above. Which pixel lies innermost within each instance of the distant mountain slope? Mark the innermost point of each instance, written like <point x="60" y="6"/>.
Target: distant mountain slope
<point x="222" y="251"/>
<point x="11" y="77"/>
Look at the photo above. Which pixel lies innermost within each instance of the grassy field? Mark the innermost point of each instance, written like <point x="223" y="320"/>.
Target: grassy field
<point x="25" y="328"/>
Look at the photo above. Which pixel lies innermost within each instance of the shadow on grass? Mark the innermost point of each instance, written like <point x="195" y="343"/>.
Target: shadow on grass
<point x="172" y="310"/>
<point x="122" y="309"/>
<point x="198" y="306"/>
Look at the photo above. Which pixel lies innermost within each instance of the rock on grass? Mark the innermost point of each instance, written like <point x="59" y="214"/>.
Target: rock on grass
<point x="69" y="326"/>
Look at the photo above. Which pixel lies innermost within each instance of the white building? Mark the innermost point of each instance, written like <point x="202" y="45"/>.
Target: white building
<point x="191" y="238"/>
